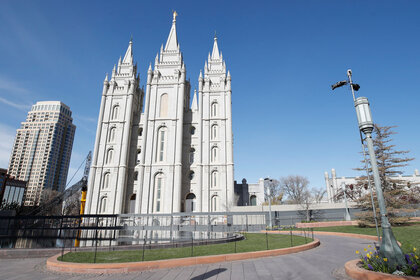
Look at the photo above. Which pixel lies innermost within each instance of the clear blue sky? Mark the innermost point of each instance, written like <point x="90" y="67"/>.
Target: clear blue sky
<point x="283" y="57"/>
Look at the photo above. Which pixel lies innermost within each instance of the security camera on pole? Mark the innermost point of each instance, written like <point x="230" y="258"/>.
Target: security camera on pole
<point x="389" y="246"/>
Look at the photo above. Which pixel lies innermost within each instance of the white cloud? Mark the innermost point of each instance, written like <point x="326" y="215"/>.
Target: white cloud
<point x="14" y="95"/>
<point x="6" y="143"/>
<point x="8" y="85"/>
<point x="86" y="119"/>
<point x="22" y="107"/>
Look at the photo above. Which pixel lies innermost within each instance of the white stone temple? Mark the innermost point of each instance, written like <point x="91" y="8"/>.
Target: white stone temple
<point x="155" y="150"/>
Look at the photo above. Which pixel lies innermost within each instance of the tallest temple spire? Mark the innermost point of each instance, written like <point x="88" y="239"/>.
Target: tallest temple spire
<point x="128" y="57"/>
<point x="215" y="53"/>
<point x="172" y="42"/>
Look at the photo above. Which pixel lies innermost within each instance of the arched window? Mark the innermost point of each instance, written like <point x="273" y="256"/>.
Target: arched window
<point x="163" y="112"/>
<point x="214" y="179"/>
<point x="214" y="132"/>
<point x="160" y="156"/>
<point x="192" y="130"/>
<point x="132" y="203"/>
<point x="102" y="206"/>
<point x="214" y="203"/>
<point x="214" y="109"/>
<point x="112" y="134"/>
<point x="109" y="156"/>
<point x="253" y="200"/>
<point x="192" y="151"/>
<point x="140" y="131"/>
<point x="138" y="155"/>
<point x="158" y="192"/>
<point x="136" y="176"/>
<point x="190" y="201"/>
<point x="191" y="175"/>
<point x="115" y="112"/>
<point x="214" y="154"/>
<point x="105" y="185"/>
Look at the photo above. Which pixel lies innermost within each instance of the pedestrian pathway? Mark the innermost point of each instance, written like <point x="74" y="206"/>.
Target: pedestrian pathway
<point x="324" y="262"/>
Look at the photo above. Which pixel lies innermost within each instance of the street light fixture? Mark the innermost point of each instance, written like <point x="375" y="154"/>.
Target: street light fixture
<point x="389" y="246"/>
<point x="270" y="223"/>
<point x="347" y="216"/>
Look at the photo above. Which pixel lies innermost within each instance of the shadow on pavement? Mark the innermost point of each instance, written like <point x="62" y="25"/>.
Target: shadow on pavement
<point x="209" y="274"/>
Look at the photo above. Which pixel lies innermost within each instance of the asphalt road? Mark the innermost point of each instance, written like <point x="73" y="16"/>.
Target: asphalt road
<point x="324" y="262"/>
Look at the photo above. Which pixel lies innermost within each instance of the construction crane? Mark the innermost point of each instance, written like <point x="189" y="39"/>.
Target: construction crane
<point x="80" y="185"/>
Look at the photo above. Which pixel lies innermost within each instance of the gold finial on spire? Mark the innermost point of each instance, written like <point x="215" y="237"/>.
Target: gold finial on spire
<point x="215" y="35"/>
<point x="175" y="14"/>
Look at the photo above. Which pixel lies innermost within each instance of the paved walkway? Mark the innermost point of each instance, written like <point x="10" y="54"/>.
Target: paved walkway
<point x="324" y="262"/>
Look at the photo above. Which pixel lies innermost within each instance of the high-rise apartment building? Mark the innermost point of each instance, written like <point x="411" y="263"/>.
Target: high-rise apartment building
<point x="42" y="149"/>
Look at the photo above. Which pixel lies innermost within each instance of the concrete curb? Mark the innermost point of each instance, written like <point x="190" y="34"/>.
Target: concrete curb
<point x="327" y="224"/>
<point x="55" y="265"/>
<point x="342" y="234"/>
<point x="358" y="273"/>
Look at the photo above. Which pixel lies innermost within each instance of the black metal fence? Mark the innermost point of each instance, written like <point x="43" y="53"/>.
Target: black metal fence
<point x="126" y="229"/>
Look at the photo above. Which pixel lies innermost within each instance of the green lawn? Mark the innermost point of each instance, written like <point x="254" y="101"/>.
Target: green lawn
<point x="252" y="242"/>
<point x="409" y="236"/>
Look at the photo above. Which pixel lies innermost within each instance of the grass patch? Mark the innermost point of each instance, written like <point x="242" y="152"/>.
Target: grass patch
<point x="409" y="236"/>
<point x="252" y="242"/>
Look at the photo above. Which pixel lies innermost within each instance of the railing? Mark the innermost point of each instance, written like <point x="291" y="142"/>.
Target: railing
<point x="125" y="229"/>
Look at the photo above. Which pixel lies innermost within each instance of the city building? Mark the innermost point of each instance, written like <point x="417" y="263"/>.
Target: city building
<point x="334" y="183"/>
<point x="42" y="149"/>
<point x="157" y="151"/>
<point x="12" y="191"/>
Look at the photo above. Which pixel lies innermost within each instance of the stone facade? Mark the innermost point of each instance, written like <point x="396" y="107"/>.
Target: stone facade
<point x="156" y="153"/>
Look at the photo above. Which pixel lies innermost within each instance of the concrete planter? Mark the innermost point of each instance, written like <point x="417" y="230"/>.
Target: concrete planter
<point x="359" y="273"/>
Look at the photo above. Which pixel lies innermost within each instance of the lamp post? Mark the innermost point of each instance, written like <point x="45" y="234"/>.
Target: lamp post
<point x="347" y="217"/>
<point x="389" y="246"/>
<point x="270" y="223"/>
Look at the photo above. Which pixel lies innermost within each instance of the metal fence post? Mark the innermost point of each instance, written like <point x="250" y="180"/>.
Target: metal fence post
<point x="235" y="244"/>
<point x="60" y="236"/>
<point x="246" y="221"/>
<point x="144" y="243"/>
<point x="192" y="244"/>
<point x="96" y="238"/>
<point x="266" y="238"/>
<point x="291" y="238"/>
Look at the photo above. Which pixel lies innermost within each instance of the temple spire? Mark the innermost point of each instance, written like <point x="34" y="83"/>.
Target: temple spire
<point x="172" y="42"/>
<point x="128" y="57"/>
<point x="194" y="105"/>
<point x="215" y="54"/>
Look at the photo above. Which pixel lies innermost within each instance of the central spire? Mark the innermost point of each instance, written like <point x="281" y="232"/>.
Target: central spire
<point x="128" y="57"/>
<point x="172" y="42"/>
<point x="215" y="54"/>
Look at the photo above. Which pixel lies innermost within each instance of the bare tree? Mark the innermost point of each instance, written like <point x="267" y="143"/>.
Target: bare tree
<point x="275" y="190"/>
<point x="318" y="194"/>
<point x="71" y="206"/>
<point x="297" y="191"/>
<point x="295" y="188"/>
